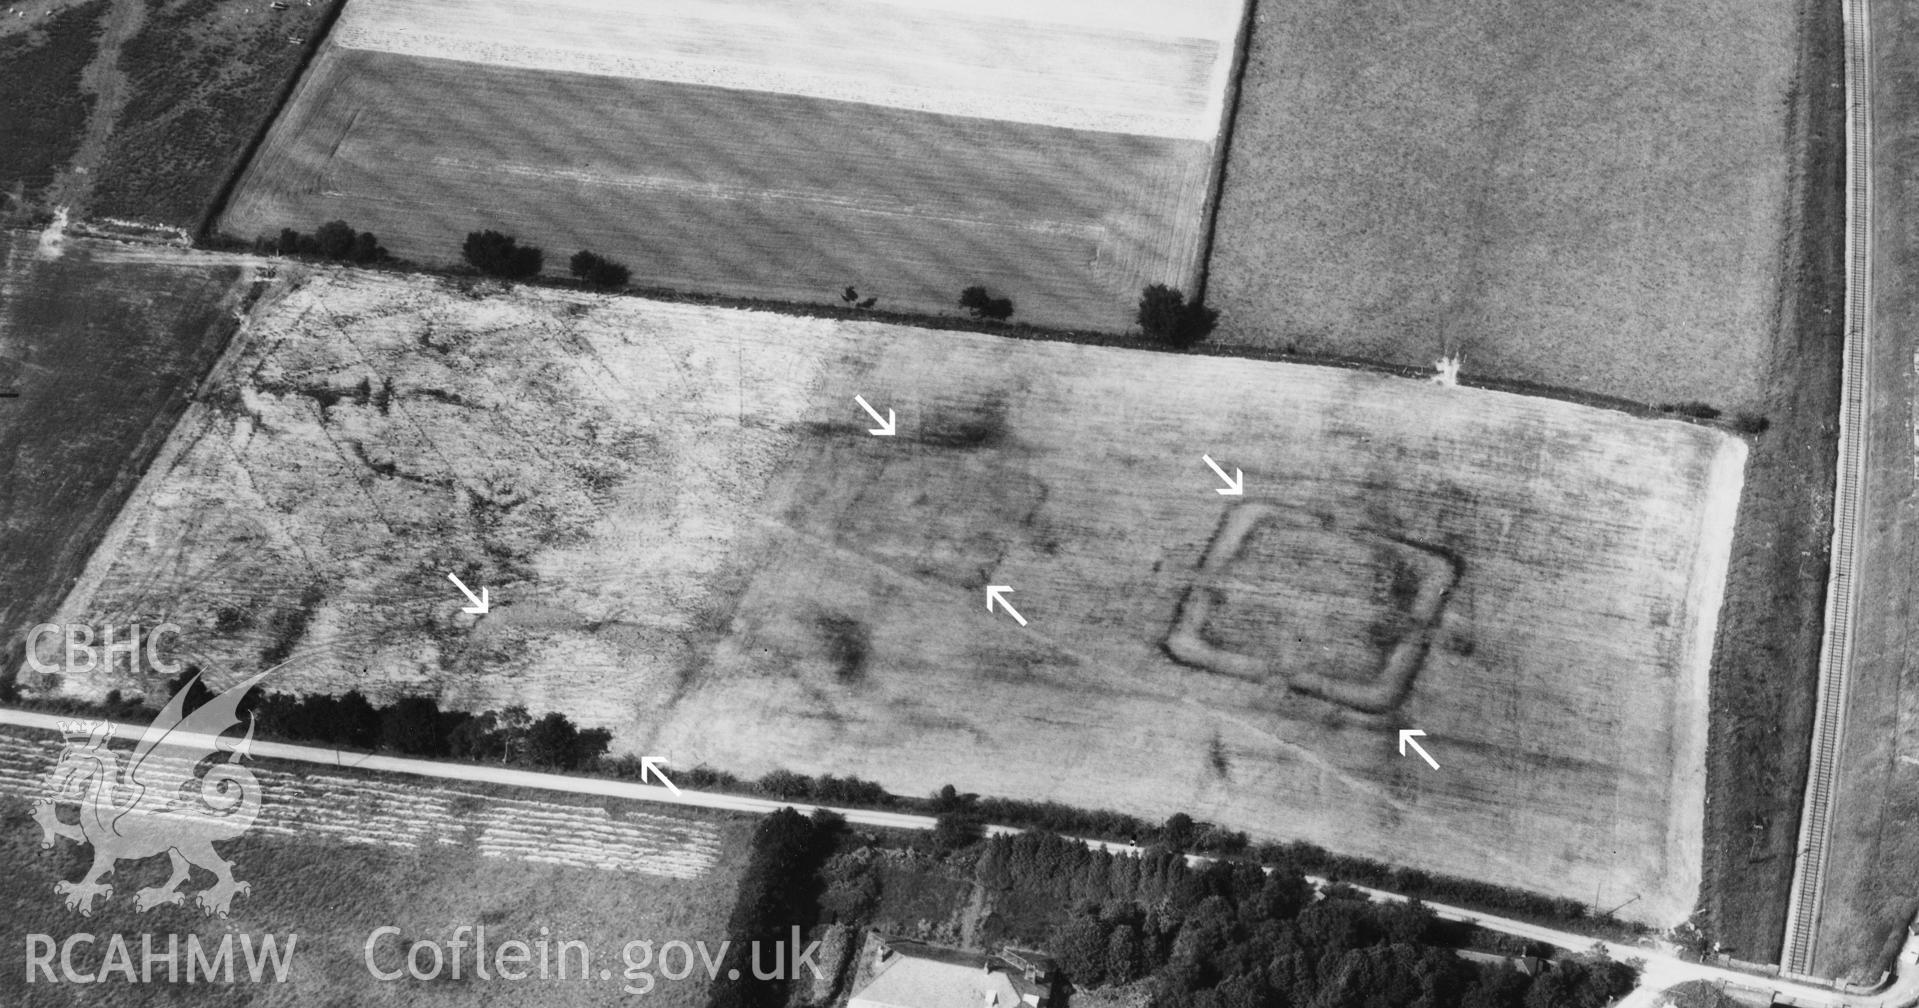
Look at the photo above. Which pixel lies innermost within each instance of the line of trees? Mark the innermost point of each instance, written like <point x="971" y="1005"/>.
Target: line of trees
<point x="414" y="726"/>
<point x="1163" y="314"/>
<point x="336" y="240"/>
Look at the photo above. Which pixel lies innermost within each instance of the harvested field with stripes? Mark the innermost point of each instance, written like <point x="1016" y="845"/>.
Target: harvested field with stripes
<point x="371" y="810"/>
<point x="1057" y="154"/>
<point x="691" y="539"/>
<point x="335" y="855"/>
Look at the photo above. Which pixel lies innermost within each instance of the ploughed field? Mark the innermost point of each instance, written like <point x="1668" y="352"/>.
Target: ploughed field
<point x="333" y="856"/>
<point x="1057" y="153"/>
<point x="690" y="538"/>
<point x="1588" y="196"/>
<point x="103" y="354"/>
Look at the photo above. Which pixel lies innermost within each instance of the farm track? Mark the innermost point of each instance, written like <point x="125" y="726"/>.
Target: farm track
<point x="1836" y="652"/>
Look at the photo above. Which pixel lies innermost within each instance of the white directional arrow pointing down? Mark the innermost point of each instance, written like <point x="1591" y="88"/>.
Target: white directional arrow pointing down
<point x="885" y="428"/>
<point x="480" y="603"/>
<point x="1406" y="739"/>
<point x="993" y="597"/>
<point x="1235" y="484"/>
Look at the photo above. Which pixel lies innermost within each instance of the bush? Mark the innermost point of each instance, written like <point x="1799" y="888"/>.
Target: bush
<point x="983" y="305"/>
<point x="1751" y="423"/>
<point x="499" y="255"/>
<point x="1165" y="315"/>
<point x="598" y="271"/>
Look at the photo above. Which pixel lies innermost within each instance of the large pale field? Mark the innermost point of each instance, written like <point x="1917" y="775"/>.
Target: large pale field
<point x="1590" y="196"/>
<point x="690" y="538"/>
<point x="1057" y="153"/>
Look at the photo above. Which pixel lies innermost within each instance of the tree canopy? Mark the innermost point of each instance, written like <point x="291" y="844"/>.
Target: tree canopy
<point x="501" y="255"/>
<point x="1165" y="315"/>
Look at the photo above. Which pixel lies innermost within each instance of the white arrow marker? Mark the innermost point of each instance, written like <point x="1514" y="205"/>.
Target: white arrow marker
<point x="885" y="428"/>
<point x="1406" y="739"/>
<point x="1235" y="484"/>
<point x="480" y="603"/>
<point x="651" y="765"/>
<point x="993" y="597"/>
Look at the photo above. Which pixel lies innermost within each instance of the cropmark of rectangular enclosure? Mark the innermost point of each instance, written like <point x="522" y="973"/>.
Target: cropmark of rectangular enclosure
<point x="1299" y="600"/>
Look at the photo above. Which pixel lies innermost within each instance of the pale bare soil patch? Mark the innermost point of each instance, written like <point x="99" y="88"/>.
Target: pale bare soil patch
<point x="691" y="539"/>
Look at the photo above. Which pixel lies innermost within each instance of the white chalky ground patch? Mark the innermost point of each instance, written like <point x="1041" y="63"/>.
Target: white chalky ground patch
<point x="356" y="810"/>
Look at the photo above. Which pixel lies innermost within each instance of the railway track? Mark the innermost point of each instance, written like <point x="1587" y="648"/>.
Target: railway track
<point x="1835" y="654"/>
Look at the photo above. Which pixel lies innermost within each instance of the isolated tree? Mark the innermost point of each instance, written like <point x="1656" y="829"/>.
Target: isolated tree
<point x="599" y="271"/>
<point x="502" y="255"/>
<point x="1166" y="316"/>
<point x="975" y="299"/>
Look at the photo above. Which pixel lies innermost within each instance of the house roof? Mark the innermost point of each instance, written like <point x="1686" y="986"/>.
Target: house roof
<point x="919" y="975"/>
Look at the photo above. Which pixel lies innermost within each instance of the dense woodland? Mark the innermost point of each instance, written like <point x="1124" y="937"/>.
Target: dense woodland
<point x="1224" y="935"/>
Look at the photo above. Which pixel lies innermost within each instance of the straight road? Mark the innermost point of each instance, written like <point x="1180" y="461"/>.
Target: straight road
<point x="1660" y="970"/>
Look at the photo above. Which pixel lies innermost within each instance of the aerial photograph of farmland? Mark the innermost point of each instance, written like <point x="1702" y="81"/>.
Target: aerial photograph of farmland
<point x="958" y="503"/>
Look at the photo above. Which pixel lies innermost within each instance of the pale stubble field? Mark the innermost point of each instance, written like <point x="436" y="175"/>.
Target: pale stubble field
<point x="691" y="539"/>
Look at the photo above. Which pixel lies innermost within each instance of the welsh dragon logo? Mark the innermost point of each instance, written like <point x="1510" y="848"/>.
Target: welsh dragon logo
<point x="157" y="805"/>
